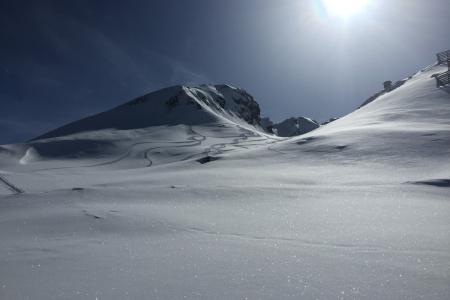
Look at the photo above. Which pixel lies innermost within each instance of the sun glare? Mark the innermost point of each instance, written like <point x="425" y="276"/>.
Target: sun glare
<point x="344" y="8"/>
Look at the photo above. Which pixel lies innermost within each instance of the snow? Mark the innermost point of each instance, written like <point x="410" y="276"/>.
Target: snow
<point x="295" y="126"/>
<point x="172" y="106"/>
<point x="348" y="211"/>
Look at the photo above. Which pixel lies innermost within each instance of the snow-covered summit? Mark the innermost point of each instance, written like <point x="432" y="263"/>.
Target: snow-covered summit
<point x="294" y="126"/>
<point x="172" y="106"/>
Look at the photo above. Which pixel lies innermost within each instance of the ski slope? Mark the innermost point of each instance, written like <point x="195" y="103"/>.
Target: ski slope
<point x="216" y="209"/>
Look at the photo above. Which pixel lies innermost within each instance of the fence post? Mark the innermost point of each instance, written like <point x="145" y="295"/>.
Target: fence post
<point x="448" y="59"/>
<point x="448" y="65"/>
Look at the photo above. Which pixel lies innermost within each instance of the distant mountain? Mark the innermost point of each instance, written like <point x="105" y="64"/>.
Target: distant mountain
<point x="295" y="126"/>
<point x="172" y="106"/>
<point x="290" y="127"/>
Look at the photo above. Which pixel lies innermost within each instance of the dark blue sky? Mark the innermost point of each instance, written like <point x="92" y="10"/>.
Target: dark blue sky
<point x="62" y="60"/>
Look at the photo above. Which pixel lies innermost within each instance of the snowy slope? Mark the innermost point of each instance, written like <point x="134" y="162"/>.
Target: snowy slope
<point x="350" y="210"/>
<point x="162" y="124"/>
<point x="409" y="123"/>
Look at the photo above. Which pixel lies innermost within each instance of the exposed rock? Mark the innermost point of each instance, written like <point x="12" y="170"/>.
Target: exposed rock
<point x="294" y="126"/>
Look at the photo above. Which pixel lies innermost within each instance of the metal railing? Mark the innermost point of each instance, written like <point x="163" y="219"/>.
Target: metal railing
<point x="443" y="79"/>
<point x="443" y="57"/>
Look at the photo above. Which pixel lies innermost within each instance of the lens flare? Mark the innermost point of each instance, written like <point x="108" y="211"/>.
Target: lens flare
<point x="344" y="8"/>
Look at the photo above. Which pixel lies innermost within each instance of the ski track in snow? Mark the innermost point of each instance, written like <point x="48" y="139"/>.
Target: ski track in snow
<point x="10" y="186"/>
<point x="193" y="140"/>
<point x="301" y="242"/>
<point x="196" y="139"/>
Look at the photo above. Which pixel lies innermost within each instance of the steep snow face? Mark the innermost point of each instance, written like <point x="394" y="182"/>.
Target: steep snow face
<point x="172" y="106"/>
<point x="294" y="126"/>
<point x="225" y="100"/>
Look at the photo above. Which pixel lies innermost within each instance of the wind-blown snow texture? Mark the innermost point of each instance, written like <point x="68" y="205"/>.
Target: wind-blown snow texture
<point x="118" y="206"/>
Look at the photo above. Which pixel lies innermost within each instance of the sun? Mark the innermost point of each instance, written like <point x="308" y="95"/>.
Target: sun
<point x="344" y="8"/>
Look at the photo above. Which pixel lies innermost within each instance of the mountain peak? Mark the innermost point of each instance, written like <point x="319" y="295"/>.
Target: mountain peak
<point x="188" y="105"/>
